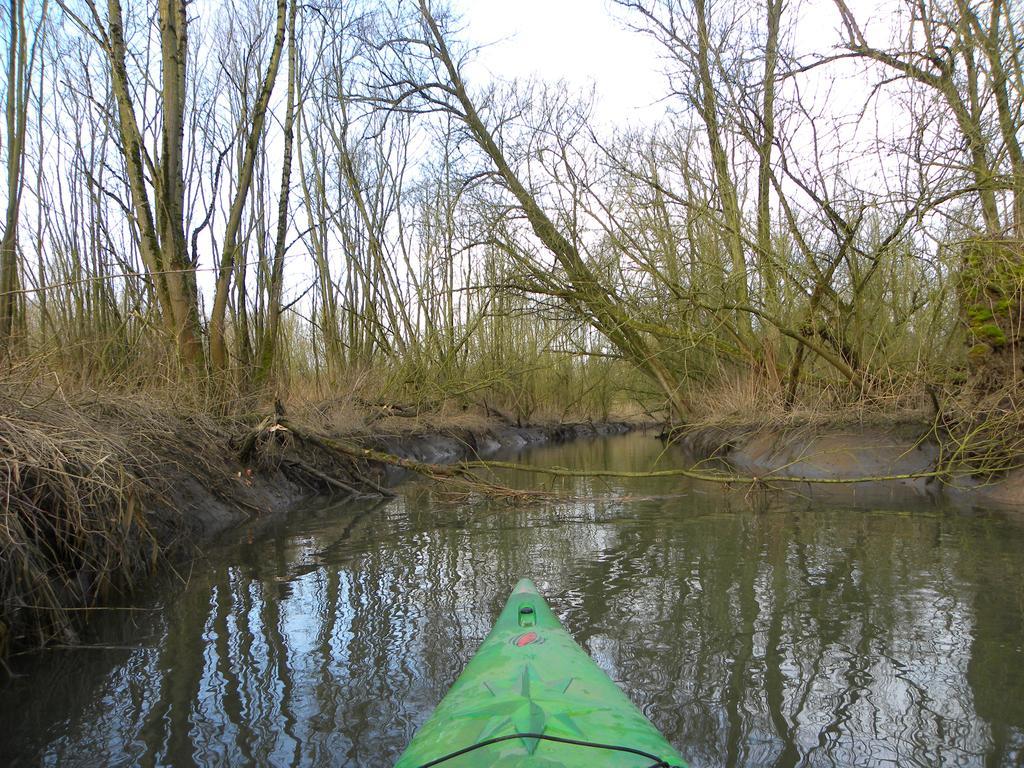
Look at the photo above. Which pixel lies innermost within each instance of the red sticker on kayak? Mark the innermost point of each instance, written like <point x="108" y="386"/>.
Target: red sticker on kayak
<point x="525" y="639"/>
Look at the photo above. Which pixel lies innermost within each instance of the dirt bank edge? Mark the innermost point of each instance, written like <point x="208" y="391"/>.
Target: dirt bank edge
<point x="279" y="491"/>
<point x="851" y="451"/>
<point x="144" y="489"/>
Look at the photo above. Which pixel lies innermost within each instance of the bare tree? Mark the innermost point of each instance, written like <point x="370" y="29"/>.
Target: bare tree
<point x="160" y="222"/>
<point x="272" y="323"/>
<point x="253" y="136"/>
<point x="967" y="53"/>
<point x="21" y="59"/>
<point x="439" y="84"/>
<point x="685" y="30"/>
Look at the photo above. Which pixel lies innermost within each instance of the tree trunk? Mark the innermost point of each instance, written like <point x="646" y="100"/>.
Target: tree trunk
<point x="732" y="216"/>
<point x="229" y="252"/>
<point x="161" y="232"/>
<point x="764" y="157"/>
<point x="272" y="324"/>
<point x="16" y="113"/>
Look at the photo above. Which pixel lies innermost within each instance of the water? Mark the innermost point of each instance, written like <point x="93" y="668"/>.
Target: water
<point x="753" y="630"/>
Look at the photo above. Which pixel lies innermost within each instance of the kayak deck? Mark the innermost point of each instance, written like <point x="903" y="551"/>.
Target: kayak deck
<point x="531" y="697"/>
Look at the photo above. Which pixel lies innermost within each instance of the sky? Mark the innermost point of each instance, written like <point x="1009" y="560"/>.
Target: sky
<point x="578" y="41"/>
<point x="587" y="42"/>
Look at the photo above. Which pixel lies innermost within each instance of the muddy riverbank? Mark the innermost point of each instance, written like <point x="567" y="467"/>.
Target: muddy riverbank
<point x="907" y="453"/>
<point x="103" y="491"/>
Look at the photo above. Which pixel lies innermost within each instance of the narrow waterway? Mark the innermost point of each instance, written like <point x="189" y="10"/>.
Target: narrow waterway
<point x="753" y="630"/>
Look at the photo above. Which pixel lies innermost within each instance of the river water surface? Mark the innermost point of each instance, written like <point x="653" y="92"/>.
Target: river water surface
<point x="753" y="630"/>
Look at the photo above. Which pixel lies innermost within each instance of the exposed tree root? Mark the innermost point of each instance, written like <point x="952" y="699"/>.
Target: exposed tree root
<point x="465" y="473"/>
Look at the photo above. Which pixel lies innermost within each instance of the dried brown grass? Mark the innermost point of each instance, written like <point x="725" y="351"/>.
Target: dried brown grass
<point x="87" y="483"/>
<point x="97" y="479"/>
<point x="747" y="400"/>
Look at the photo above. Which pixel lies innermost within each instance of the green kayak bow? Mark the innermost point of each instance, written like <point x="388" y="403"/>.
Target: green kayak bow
<point x="531" y="697"/>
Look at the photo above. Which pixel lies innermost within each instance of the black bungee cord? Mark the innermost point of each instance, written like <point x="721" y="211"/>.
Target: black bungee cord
<point x="658" y="762"/>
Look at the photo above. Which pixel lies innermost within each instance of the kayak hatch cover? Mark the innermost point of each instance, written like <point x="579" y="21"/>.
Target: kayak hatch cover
<point x="531" y="697"/>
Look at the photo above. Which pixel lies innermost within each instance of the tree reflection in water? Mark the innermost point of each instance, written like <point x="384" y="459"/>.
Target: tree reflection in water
<point x="790" y="634"/>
